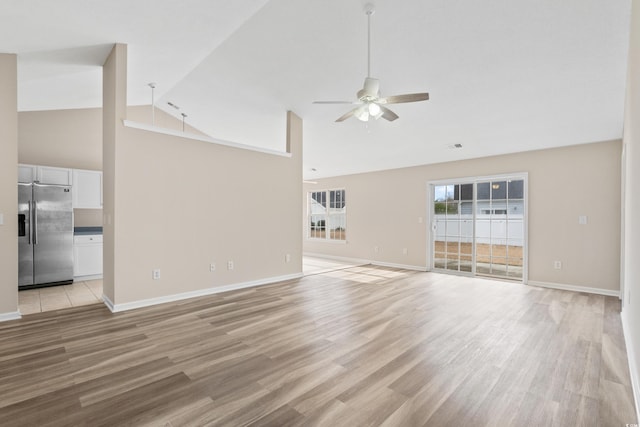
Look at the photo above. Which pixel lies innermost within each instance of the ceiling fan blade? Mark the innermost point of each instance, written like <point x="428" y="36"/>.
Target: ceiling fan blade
<point x="333" y="102"/>
<point x="387" y="114"/>
<point x="399" y="99"/>
<point x="347" y="115"/>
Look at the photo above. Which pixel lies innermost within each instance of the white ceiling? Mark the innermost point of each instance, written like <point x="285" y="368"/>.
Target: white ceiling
<point x="503" y="75"/>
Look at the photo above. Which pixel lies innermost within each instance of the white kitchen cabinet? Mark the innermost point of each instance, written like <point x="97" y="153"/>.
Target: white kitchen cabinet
<point x="52" y="175"/>
<point x="87" y="256"/>
<point x="26" y="173"/>
<point x="87" y="189"/>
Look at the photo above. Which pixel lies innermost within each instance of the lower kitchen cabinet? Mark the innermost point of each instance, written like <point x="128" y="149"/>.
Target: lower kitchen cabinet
<point x="87" y="256"/>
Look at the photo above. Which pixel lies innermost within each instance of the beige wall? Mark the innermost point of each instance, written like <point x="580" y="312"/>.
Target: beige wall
<point x="383" y="209"/>
<point x="114" y="99"/>
<point x="73" y="138"/>
<point x="179" y="204"/>
<point x="631" y="265"/>
<point x="62" y="138"/>
<point x="8" y="186"/>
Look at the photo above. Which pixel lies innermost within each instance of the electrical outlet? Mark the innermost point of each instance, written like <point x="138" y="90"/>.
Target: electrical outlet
<point x="287" y="258"/>
<point x="229" y="265"/>
<point x="405" y="251"/>
<point x="156" y="274"/>
<point x="212" y="266"/>
<point x="1" y="219"/>
<point x="557" y="265"/>
<point x="376" y="249"/>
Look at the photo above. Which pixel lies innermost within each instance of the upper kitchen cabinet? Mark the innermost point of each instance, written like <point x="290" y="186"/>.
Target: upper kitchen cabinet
<point x="26" y="173"/>
<point x="44" y="174"/>
<point x="51" y="175"/>
<point x="87" y="189"/>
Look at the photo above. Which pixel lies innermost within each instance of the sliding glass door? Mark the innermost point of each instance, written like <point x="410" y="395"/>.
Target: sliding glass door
<point x="499" y="243"/>
<point x="453" y="227"/>
<point x="478" y="226"/>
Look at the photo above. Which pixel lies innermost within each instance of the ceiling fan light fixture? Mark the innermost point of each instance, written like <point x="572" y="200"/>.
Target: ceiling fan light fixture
<point x="362" y="113"/>
<point x="374" y="109"/>
<point x="371" y="104"/>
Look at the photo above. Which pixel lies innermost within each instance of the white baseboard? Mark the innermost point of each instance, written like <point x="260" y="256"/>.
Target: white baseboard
<point x="362" y="261"/>
<point x="108" y="303"/>
<point x="402" y="266"/>
<point x="633" y="369"/>
<point x="194" y="294"/>
<point x="4" y="317"/>
<point x="574" y="288"/>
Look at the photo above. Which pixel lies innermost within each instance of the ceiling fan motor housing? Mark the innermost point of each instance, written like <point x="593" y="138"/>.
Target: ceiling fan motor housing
<point x="370" y="91"/>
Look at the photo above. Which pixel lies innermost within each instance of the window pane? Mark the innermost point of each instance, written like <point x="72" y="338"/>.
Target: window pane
<point x="439" y="193"/>
<point x="337" y="227"/>
<point x="450" y="192"/>
<point x="337" y="199"/>
<point x="499" y="190"/>
<point x="484" y="191"/>
<point x="465" y="263"/>
<point x="466" y="192"/>
<point x="516" y="189"/>
<point x="452" y="208"/>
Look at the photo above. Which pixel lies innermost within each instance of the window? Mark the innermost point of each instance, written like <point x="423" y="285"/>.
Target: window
<point x="327" y="215"/>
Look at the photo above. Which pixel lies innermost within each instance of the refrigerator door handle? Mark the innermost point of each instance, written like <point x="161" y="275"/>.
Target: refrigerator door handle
<point x="34" y="229"/>
<point x="29" y="222"/>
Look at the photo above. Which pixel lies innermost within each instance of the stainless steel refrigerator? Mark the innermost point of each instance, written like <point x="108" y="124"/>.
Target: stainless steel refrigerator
<point x="45" y="235"/>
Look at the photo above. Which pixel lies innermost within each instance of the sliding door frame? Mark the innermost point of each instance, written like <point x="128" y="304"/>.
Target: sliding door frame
<point x="475" y="180"/>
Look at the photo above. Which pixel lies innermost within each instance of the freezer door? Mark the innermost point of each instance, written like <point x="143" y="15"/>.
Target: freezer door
<point x="25" y="247"/>
<point x="52" y="234"/>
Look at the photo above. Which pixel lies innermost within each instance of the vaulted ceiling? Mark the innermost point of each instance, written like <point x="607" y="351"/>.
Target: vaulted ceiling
<point x="503" y="75"/>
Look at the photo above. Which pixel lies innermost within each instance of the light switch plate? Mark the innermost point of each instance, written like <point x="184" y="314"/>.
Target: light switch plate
<point x="1" y="219"/>
<point x="582" y="220"/>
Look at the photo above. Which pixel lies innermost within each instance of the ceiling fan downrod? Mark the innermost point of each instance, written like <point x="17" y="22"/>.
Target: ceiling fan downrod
<point x="369" y="9"/>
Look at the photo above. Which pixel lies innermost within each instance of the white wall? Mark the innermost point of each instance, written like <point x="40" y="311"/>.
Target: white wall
<point x="631" y="226"/>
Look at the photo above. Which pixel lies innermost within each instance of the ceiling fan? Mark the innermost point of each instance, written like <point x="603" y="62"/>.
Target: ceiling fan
<point x="370" y="103"/>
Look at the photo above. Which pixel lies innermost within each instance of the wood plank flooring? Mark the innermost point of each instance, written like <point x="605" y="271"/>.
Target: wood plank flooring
<point x="356" y="347"/>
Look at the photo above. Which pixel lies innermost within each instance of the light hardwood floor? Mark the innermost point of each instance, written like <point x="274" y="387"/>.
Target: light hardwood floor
<point x="354" y="347"/>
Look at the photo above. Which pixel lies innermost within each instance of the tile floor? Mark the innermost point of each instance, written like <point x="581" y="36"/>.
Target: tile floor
<point x="59" y="297"/>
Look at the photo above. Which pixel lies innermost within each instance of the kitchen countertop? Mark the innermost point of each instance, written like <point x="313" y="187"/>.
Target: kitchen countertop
<point x="80" y="231"/>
